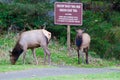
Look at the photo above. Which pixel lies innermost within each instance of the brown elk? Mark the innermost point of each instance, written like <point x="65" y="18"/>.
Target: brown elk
<point x="82" y="42"/>
<point x="30" y="40"/>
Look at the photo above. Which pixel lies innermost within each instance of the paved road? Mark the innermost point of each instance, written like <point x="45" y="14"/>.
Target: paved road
<point x="44" y="72"/>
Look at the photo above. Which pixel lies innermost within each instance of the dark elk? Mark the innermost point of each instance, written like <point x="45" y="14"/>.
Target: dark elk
<point x="82" y="42"/>
<point x="30" y="40"/>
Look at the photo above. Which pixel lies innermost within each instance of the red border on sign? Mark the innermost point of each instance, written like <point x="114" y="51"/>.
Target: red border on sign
<point x="81" y="14"/>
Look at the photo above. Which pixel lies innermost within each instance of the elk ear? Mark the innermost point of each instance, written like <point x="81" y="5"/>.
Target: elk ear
<point x="84" y="29"/>
<point x="76" y="30"/>
<point x="10" y="53"/>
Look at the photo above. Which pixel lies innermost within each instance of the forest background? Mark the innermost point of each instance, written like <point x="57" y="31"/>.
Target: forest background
<point x="101" y="19"/>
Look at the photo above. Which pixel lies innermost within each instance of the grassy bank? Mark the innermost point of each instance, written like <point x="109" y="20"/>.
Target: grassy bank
<point x="7" y="67"/>
<point x="58" y="56"/>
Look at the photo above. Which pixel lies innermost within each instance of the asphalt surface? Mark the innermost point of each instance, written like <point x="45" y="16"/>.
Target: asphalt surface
<point x="45" y="72"/>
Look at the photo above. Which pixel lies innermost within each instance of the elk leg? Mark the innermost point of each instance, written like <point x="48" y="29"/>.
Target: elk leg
<point x="34" y="55"/>
<point x="86" y="51"/>
<point x="24" y="54"/>
<point x="46" y="52"/>
<point x="44" y="56"/>
<point x="78" y="56"/>
<point x="82" y="54"/>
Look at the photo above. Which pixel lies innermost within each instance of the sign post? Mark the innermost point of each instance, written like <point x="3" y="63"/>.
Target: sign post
<point x="68" y="39"/>
<point x="66" y="13"/>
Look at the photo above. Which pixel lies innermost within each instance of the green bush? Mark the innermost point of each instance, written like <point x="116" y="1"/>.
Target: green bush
<point x="100" y="46"/>
<point x="20" y="14"/>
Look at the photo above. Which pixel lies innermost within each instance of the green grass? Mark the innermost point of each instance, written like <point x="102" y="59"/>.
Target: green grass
<point x="7" y="68"/>
<point x="58" y="56"/>
<point x="104" y="76"/>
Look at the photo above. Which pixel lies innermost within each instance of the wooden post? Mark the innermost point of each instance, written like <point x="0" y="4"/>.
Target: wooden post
<point x="68" y="39"/>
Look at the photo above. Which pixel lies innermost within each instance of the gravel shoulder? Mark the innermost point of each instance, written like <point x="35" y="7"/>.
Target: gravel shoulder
<point x="44" y="72"/>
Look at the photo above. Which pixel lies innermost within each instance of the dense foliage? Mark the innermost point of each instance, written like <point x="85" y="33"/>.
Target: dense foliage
<point x="102" y="22"/>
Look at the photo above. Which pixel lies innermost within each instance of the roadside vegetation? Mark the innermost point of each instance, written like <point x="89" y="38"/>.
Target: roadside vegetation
<point x="101" y="19"/>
